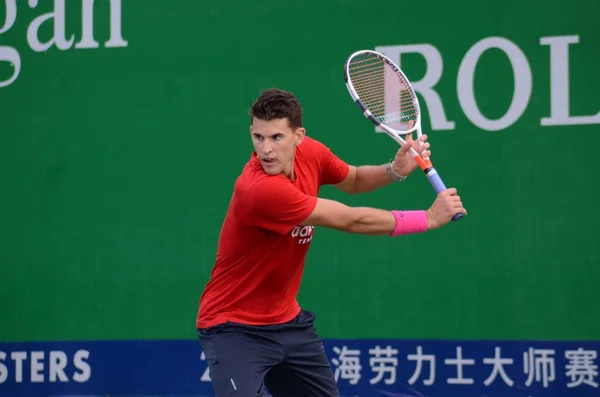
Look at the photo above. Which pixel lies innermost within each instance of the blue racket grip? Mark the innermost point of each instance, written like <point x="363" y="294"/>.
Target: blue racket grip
<point x="439" y="186"/>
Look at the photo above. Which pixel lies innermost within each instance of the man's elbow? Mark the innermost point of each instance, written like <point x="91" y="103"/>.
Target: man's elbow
<point x="334" y="215"/>
<point x="350" y="189"/>
<point x="353" y="228"/>
<point x="351" y="223"/>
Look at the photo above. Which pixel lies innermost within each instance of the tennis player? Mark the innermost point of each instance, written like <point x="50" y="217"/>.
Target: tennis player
<point x="254" y="334"/>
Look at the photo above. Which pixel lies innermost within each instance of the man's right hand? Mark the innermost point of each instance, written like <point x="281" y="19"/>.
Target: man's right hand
<point x="446" y="205"/>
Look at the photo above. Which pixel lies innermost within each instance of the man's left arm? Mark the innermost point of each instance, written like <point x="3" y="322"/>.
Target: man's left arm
<point x="367" y="178"/>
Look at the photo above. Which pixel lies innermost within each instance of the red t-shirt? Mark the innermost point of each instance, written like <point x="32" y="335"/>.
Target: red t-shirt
<point x="262" y="248"/>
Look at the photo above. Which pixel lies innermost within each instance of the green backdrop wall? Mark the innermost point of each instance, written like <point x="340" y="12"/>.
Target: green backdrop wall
<point x="123" y="126"/>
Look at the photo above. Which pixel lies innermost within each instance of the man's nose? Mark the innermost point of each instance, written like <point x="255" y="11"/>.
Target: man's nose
<point x="267" y="148"/>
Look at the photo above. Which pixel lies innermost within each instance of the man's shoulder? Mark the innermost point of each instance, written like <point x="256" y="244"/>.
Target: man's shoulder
<point x="312" y="144"/>
<point x="312" y="148"/>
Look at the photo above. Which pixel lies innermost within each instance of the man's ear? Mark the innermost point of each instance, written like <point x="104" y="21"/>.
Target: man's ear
<point x="299" y="135"/>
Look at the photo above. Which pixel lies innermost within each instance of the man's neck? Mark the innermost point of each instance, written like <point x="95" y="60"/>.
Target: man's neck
<point x="290" y="174"/>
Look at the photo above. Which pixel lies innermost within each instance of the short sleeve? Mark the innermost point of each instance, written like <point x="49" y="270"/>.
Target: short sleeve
<point x="333" y="169"/>
<point x="277" y="205"/>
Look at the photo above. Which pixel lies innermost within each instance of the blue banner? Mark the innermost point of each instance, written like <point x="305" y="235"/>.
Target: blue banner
<point x="365" y="368"/>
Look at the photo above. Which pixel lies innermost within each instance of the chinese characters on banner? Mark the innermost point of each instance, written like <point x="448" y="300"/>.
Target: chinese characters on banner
<point x="477" y="368"/>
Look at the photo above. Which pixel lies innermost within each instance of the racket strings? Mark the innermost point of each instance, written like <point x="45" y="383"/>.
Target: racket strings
<point x="382" y="90"/>
<point x="398" y="104"/>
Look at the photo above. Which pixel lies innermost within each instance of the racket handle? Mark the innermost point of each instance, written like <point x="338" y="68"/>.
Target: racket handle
<point x="457" y="217"/>
<point x="439" y="186"/>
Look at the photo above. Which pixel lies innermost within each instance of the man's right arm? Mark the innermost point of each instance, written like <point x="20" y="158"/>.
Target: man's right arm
<point x="373" y="221"/>
<point x="362" y="220"/>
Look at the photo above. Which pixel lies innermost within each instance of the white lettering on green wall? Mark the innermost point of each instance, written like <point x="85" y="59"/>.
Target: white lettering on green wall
<point x="59" y="39"/>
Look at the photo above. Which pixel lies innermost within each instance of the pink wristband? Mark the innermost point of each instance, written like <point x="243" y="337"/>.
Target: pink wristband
<point x="408" y="222"/>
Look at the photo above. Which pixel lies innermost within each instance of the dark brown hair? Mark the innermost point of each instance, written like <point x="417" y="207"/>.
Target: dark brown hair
<point x="277" y="104"/>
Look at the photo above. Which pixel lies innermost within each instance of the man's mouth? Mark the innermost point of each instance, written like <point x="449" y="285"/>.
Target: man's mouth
<point x="269" y="160"/>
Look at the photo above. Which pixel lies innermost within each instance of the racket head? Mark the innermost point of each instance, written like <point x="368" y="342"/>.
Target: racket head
<point x="382" y="92"/>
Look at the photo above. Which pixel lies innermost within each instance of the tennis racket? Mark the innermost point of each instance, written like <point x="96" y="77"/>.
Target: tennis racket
<point x="386" y="97"/>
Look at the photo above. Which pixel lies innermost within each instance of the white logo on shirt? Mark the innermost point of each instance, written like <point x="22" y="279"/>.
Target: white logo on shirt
<point x="303" y="234"/>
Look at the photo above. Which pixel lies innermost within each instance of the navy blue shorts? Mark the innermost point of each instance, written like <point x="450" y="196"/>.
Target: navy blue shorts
<point x="285" y="360"/>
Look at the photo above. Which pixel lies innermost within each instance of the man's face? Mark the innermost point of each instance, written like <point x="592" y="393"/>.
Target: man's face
<point x="275" y="144"/>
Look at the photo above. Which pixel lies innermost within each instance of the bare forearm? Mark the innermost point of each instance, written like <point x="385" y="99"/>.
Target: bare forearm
<point x="372" y="221"/>
<point x="371" y="177"/>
